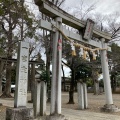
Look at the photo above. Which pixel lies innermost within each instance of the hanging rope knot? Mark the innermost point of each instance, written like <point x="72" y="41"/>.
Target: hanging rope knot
<point x="85" y="49"/>
<point x="94" y="55"/>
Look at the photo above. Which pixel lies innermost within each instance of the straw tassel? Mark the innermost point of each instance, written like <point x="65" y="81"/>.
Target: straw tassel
<point x="94" y="55"/>
<point x="98" y="53"/>
<point x="81" y="52"/>
<point x="87" y="56"/>
<point x="73" y="50"/>
<point x="84" y="54"/>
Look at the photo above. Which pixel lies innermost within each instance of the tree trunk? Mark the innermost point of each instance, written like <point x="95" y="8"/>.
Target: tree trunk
<point x="0" y="84"/>
<point x="96" y="82"/>
<point x="7" y="90"/>
<point x="64" y="89"/>
<point x="9" y="46"/>
<point x="48" y="59"/>
<point x="1" y="69"/>
<point x="71" y="97"/>
<point x="96" y="88"/>
<point x="113" y="83"/>
<point x="71" y="92"/>
<point x="48" y="70"/>
<point x="32" y="81"/>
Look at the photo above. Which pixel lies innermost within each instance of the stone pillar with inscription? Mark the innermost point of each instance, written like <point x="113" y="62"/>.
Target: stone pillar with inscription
<point x="20" y="111"/>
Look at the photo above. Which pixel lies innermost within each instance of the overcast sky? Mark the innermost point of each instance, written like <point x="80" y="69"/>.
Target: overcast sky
<point x="102" y="6"/>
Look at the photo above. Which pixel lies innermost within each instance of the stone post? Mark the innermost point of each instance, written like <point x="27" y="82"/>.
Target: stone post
<point x="109" y="107"/>
<point x="80" y="95"/>
<point x="1" y="69"/>
<point x="36" y="98"/>
<point x="20" y="112"/>
<point x="39" y="100"/>
<point x="96" y="88"/>
<point x="85" y="96"/>
<point x="43" y="99"/>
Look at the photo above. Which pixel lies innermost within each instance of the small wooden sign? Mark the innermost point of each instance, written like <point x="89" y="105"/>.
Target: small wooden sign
<point x="88" y="29"/>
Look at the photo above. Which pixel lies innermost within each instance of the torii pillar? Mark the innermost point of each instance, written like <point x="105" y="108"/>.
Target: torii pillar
<point x="109" y="106"/>
<point x="55" y="108"/>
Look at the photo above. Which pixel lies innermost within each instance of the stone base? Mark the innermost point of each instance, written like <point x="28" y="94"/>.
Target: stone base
<point x="21" y="113"/>
<point x="110" y="108"/>
<point x="53" y="117"/>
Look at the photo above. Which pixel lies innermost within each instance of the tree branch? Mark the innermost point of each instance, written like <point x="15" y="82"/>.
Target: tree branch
<point x="66" y="64"/>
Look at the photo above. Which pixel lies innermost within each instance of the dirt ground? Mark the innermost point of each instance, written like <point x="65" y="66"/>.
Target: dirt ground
<point x="95" y="102"/>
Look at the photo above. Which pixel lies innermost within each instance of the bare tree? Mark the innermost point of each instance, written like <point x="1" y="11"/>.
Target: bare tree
<point x="47" y="38"/>
<point x="99" y="20"/>
<point x="14" y="16"/>
<point x="108" y="23"/>
<point x="11" y="20"/>
<point x="58" y="2"/>
<point x="114" y="26"/>
<point x="82" y="11"/>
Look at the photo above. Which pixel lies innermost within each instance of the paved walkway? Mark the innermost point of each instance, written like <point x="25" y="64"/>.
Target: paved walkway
<point x="72" y="114"/>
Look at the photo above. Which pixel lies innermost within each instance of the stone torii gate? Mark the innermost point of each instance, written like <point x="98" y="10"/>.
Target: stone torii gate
<point x="60" y="17"/>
